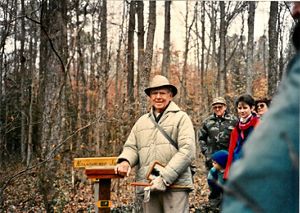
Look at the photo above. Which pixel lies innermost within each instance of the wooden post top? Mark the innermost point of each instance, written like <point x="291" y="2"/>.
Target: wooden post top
<point x="97" y="167"/>
<point x="101" y="172"/>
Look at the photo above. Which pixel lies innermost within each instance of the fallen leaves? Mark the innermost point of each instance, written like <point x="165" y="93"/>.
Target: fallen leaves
<point x="23" y="195"/>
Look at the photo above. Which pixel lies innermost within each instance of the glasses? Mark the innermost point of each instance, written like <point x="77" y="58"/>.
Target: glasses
<point x="217" y="107"/>
<point x="159" y="92"/>
<point x="261" y="105"/>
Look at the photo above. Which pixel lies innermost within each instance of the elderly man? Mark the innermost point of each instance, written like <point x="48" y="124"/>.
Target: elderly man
<point x="150" y="141"/>
<point x="266" y="178"/>
<point x="215" y="132"/>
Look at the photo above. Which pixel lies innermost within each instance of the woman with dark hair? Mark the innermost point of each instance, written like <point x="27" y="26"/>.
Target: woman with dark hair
<point x="262" y="106"/>
<point x="245" y="105"/>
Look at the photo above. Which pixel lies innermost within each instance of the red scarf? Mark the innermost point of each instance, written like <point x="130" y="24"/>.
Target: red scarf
<point x="234" y="136"/>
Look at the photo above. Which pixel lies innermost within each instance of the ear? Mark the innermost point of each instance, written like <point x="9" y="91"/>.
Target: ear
<point x="171" y="94"/>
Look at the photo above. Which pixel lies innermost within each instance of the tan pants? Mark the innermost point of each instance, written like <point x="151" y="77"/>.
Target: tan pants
<point x="167" y="202"/>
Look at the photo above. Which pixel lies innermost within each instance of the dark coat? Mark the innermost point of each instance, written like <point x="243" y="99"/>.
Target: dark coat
<point x="214" y="135"/>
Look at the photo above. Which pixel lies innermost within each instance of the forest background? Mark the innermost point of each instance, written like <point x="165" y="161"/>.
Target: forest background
<point x="73" y="73"/>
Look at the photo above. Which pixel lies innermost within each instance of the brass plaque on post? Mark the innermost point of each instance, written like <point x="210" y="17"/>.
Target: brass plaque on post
<point x="95" y="161"/>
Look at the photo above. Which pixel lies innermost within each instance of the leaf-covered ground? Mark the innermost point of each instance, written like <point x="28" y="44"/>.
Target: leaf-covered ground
<point x="23" y="194"/>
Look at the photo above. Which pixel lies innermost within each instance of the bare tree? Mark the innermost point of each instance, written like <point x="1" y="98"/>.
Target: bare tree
<point x="80" y="79"/>
<point x="188" y="27"/>
<point x="23" y="72"/>
<point x="53" y="56"/>
<point x="102" y="112"/>
<point x="250" y="45"/>
<point x="211" y="55"/>
<point x="148" y="52"/>
<point x="92" y="87"/>
<point x="202" y="68"/>
<point x="33" y="49"/>
<point x="222" y="52"/>
<point x="5" y="30"/>
<point x="227" y="14"/>
<point x="130" y="52"/>
<point x="141" y="48"/>
<point x="273" y="48"/>
<point x="118" y="58"/>
<point x="167" y="31"/>
<point x="283" y="57"/>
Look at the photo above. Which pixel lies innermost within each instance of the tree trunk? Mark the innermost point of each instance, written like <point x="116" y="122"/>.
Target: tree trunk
<point x="211" y="62"/>
<point x="250" y="46"/>
<point x="91" y="98"/>
<point x="167" y="31"/>
<point x="130" y="53"/>
<point x="53" y="55"/>
<point x="213" y="33"/>
<point x="30" y="123"/>
<point x="141" y="51"/>
<point x="202" y="68"/>
<point x="1" y="135"/>
<point x="78" y="68"/>
<point x="184" y="85"/>
<point x="148" y="52"/>
<point x="23" y="76"/>
<point x="199" y="86"/>
<point x="282" y="56"/>
<point x="102" y="113"/>
<point x="222" y="52"/>
<point x="33" y="89"/>
<point x="273" y="49"/>
<point x="118" y="60"/>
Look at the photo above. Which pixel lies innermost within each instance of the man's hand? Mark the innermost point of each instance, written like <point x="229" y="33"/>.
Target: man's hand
<point x="158" y="184"/>
<point x="123" y="168"/>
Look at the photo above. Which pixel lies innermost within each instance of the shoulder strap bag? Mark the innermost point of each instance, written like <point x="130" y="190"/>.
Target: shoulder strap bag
<point x="164" y="132"/>
<point x="192" y="166"/>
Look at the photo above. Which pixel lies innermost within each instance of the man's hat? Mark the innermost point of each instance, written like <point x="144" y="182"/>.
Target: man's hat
<point x="160" y="81"/>
<point x="218" y="100"/>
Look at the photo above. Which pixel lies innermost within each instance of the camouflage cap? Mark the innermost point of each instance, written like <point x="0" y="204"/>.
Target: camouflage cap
<point x="218" y="100"/>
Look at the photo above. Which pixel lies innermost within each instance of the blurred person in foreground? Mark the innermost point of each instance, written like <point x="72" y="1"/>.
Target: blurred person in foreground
<point x="214" y="135"/>
<point x="147" y="144"/>
<point x="266" y="179"/>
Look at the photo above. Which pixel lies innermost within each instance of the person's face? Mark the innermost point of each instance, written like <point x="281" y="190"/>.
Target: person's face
<point x="160" y="98"/>
<point x="216" y="165"/>
<point x="244" y="110"/>
<point x="261" y="108"/>
<point x="219" y="109"/>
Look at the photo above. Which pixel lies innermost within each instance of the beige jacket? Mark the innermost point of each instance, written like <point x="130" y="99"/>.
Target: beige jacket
<point x="146" y="144"/>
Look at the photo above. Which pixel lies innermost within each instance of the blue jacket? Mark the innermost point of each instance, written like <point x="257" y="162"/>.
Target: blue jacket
<point x="266" y="178"/>
<point x="214" y="178"/>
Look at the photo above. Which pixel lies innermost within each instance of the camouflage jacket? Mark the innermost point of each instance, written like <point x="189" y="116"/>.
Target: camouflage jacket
<point x="215" y="132"/>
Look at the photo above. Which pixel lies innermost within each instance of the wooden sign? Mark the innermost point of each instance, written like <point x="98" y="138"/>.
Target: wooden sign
<point x="95" y="161"/>
<point x="102" y="170"/>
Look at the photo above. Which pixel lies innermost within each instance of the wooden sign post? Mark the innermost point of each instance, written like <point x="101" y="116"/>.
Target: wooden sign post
<point x="102" y="170"/>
